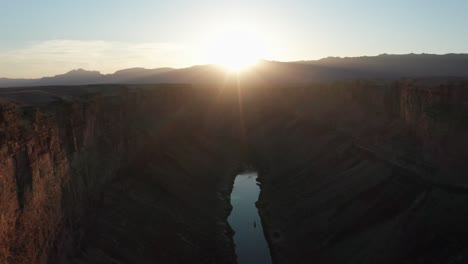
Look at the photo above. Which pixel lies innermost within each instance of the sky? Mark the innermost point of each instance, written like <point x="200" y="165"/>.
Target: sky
<point x="49" y="37"/>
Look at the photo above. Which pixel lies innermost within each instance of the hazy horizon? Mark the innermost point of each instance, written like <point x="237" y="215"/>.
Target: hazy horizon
<point x="51" y="37"/>
<point x="65" y="71"/>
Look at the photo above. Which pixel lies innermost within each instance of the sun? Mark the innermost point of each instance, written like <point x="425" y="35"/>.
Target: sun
<point x="234" y="50"/>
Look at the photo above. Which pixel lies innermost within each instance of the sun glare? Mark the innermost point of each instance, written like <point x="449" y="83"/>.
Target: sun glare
<point x="235" y="50"/>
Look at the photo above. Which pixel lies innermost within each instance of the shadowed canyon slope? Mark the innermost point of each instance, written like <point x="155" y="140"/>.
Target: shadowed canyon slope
<point x="382" y="66"/>
<point x="357" y="171"/>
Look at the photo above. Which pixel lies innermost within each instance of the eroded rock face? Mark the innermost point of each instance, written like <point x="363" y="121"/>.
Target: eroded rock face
<point x="172" y="204"/>
<point x="55" y="158"/>
<point x="351" y="172"/>
<point x="73" y="158"/>
<point x="348" y="175"/>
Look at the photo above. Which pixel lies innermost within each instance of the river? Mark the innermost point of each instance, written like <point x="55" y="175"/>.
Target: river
<point x="251" y="245"/>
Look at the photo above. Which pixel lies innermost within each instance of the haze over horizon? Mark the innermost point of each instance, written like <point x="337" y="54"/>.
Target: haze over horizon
<point x="52" y="37"/>
<point x="163" y="69"/>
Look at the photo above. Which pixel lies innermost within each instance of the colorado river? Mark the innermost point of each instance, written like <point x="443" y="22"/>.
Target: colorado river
<point x="251" y="246"/>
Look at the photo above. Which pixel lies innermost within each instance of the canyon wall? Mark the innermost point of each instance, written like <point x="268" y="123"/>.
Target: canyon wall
<point x="56" y="156"/>
<point x="437" y="114"/>
<point x="172" y="204"/>
<point x="351" y="171"/>
<point x="66" y="153"/>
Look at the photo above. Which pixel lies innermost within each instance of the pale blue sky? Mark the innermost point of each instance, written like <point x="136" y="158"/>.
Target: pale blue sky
<point x="46" y="37"/>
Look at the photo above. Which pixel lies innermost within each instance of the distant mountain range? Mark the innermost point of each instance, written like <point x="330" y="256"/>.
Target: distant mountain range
<point x="331" y="68"/>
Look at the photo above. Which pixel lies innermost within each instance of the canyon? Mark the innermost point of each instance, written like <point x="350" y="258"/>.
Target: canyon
<point x="351" y="171"/>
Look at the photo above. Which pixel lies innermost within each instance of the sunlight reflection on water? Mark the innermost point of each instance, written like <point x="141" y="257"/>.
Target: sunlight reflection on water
<point x="251" y="246"/>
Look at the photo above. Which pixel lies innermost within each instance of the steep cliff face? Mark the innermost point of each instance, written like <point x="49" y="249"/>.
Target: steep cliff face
<point x="351" y="171"/>
<point x="55" y="158"/>
<point x="172" y="204"/>
<point x="437" y="113"/>
<point x="347" y="176"/>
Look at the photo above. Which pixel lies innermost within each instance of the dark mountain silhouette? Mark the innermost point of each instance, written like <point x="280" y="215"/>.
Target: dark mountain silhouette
<point x="401" y="65"/>
<point x="9" y="82"/>
<point x="136" y="74"/>
<point x="74" y="77"/>
<point x="331" y="68"/>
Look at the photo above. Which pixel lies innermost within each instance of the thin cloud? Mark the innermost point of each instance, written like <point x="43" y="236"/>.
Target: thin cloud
<point x="58" y="56"/>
